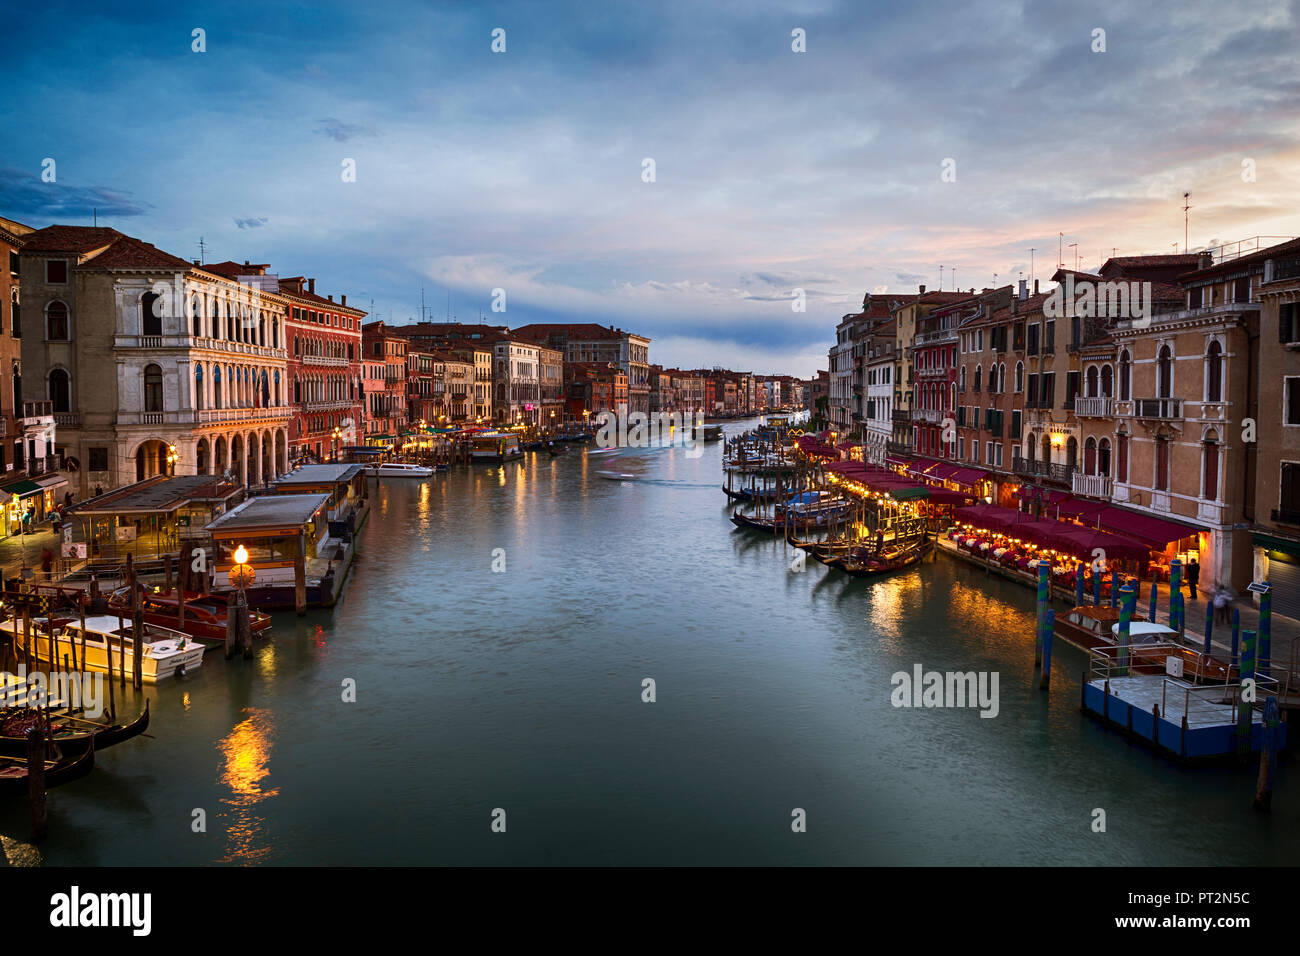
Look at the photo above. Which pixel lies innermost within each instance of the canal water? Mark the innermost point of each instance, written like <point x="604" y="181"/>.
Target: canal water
<point x="520" y="689"/>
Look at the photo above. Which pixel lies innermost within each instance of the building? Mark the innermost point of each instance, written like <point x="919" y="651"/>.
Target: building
<point x="384" y="362"/>
<point x="151" y="363"/>
<point x="553" y="411"/>
<point x="516" y="383"/>
<point x="594" y="387"/>
<point x="324" y="371"/>
<point x="13" y="442"/>
<point x="1275" y="472"/>
<point x="588" y="342"/>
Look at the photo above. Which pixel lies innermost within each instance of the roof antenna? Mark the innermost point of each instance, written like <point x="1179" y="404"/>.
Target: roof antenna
<point x="1187" y="204"/>
<point x="941" y="278"/>
<point x="202" y="251"/>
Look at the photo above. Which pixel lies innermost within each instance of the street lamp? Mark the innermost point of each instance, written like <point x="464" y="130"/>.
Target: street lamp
<point x="173" y="456"/>
<point x="336" y="436"/>
<point x="241" y="575"/>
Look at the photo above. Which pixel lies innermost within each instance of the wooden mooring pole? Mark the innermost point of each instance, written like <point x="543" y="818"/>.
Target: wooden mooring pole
<point x="36" y="779"/>
<point x="1267" y="758"/>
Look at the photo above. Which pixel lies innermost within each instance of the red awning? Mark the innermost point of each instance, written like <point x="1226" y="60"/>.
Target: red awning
<point x="1145" y="528"/>
<point x="1084" y="543"/>
<point x="1080" y="508"/>
<point x="942" y="496"/>
<point x="1026" y="493"/>
<point x="967" y="476"/>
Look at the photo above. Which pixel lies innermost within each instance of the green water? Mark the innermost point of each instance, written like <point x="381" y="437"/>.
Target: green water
<point x="522" y="690"/>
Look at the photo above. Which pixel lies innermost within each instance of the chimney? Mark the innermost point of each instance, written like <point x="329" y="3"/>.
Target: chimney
<point x="343" y="300"/>
<point x="1024" y="289"/>
<point x="1035" y="287"/>
<point x="196" y="262"/>
<point x="330" y="296"/>
<point x="245" y="262"/>
<point x="922" y="292"/>
<point x="311" y="286"/>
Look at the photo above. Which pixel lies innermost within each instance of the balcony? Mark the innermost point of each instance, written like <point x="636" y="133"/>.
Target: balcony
<point x="1050" y="471"/>
<point x="1094" y="486"/>
<point x="68" y="419"/>
<point x="1162" y="409"/>
<point x="899" y="447"/>
<point x="38" y="409"/>
<point x="213" y="415"/>
<point x="330" y="360"/>
<point x="901" y="418"/>
<point x="932" y="415"/>
<point x="1096" y="407"/>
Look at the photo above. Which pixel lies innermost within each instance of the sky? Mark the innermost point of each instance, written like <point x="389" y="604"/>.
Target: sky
<point x="905" y="142"/>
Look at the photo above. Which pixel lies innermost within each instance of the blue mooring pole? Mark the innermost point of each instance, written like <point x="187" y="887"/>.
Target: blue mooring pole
<point x="1078" y="583"/>
<point x="1245" y="708"/>
<point x="1128" y="601"/>
<point x="1114" y="589"/>
<point x="1049" y="630"/>
<point x="1044" y="589"/>
<point x="1155" y="593"/>
<point x="1236" y="634"/>
<point x="1209" y="625"/>
<point x="1175" y="591"/>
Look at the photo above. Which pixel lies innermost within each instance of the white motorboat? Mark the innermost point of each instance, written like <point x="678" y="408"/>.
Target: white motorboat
<point x="398" y="469"/>
<point x="166" y="652"/>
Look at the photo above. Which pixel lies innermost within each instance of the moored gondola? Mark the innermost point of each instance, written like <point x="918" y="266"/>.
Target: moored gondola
<point x="73" y="735"/>
<point x="861" y="563"/>
<point x="13" y="772"/>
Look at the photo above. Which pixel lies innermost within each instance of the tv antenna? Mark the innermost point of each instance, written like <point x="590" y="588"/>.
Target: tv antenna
<point x="1187" y="204"/>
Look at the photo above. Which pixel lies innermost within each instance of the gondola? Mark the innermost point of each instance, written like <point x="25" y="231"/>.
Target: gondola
<point x="749" y="494"/>
<point x="13" y="772"/>
<point x="862" y="564"/>
<point x="72" y="739"/>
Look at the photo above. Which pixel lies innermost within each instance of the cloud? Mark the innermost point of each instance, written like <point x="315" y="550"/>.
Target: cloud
<point x="341" y="132"/>
<point x="23" y="194"/>
<point x="256" y="223"/>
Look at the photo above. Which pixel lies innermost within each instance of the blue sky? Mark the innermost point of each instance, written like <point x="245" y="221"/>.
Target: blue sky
<point x="775" y="170"/>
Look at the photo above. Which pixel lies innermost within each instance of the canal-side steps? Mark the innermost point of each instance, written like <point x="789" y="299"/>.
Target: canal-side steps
<point x="1187" y="721"/>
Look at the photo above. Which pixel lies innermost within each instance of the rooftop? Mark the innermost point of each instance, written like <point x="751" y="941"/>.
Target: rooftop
<point x="159" y="495"/>
<point x="319" y="475"/>
<point x="268" y="513"/>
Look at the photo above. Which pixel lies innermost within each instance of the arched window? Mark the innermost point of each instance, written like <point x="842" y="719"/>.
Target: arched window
<point x="1072" y="453"/>
<point x="153" y="390"/>
<point x="1165" y="373"/>
<point x="1103" y="458"/>
<point x="1002" y="377"/>
<point x="216" y="387"/>
<point x="1121" y="465"/>
<point x="198" y="388"/>
<point x="278" y="400"/>
<point x="1214" y="374"/>
<point x="979" y="371"/>
<point x="150" y="314"/>
<point x="962" y="378"/>
<point x="1107" y="381"/>
<point x="1047" y="447"/>
<point x="1125" y="374"/>
<point x="197" y="321"/>
<point x="297" y="390"/>
<point x="16" y="311"/>
<point x="56" y="321"/>
<point x="1090" y="456"/>
<point x="1210" y="465"/>
<point x="1020" y="376"/>
<point x="296" y="349"/>
<point x="60" y="390"/>
<point x="1091" y="382"/>
<point x="1031" y="445"/>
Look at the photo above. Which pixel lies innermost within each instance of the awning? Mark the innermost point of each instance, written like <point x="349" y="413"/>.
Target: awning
<point x="22" y="489"/>
<point x="362" y="450"/>
<point x="51" y="481"/>
<point x="898" y="462"/>
<point x="909" y="494"/>
<point x="967" y="476"/>
<point x="942" y="496"/>
<point x="1150" y="530"/>
<point x="1050" y="497"/>
<point x="1273" y="543"/>
<point x="1079" y="508"/>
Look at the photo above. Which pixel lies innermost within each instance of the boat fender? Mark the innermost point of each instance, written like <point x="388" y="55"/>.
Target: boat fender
<point x="180" y="670"/>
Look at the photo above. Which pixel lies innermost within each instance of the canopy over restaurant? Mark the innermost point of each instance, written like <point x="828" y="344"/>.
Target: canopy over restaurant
<point x="344" y="483"/>
<point x="147" y="519"/>
<point x="279" y="532"/>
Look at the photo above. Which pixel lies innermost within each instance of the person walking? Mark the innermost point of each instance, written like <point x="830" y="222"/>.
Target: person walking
<point x="1193" y="576"/>
<point x="1222" y="614"/>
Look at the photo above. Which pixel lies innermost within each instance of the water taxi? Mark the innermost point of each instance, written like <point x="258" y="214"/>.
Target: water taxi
<point x="205" y="614"/>
<point x="398" y="469"/>
<point x="166" y="652"/>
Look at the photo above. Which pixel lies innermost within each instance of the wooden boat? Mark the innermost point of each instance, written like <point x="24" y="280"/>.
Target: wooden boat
<point x="13" y="772"/>
<point x="205" y="615"/>
<point x="72" y="736"/>
<point x="166" y="652"/>
<point x="867" y="563"/>
<point x="398" y="469"/>
<point x="750" y="494"/>
<point x="1091" y="626"/>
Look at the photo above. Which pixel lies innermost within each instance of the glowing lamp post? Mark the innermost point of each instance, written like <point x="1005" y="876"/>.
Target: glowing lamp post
<point x="335" y="437"/>
<point x="238" y="629"/>
<point x="241" y="575"/>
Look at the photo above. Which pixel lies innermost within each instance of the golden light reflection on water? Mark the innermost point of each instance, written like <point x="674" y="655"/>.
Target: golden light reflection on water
<point x="20" y="854"/>
<point x="247" y="753"/>
<point x="185" y="700"/>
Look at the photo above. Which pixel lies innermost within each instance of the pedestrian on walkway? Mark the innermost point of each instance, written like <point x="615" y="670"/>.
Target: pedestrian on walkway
<point x="1193" y="576"/>
<point x="1222" y="614"/>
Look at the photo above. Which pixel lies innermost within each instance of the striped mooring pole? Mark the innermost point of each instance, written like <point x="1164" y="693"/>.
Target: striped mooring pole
<point x="1044" y="570"/>
<point x="1078" y="583"/>
<point x="1236" y="634"/>
<point x="1209" y="625"/>
<point x="1049" y="630"/>
<point x="1245" y="708"/>
<point x="1175" y="591"/>
<point x="1114" y="588"/>
<point x="1128" y="602"/>
<point x="1155" y="593"/>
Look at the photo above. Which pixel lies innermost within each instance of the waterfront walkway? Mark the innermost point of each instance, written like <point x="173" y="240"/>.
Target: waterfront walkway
<point x="1286" y="630"/>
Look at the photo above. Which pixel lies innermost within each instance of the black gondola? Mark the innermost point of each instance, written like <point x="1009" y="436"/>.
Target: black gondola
<point x="72" y="740"/>
<point x="13" y="774"/>
<point x="869" y="565"/>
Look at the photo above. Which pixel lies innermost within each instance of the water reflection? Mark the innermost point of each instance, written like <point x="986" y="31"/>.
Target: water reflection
<point x="247" y="753"/>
